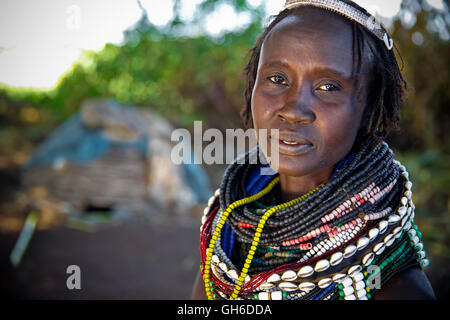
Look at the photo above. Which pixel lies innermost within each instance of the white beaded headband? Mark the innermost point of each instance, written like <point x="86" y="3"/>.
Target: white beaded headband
<point x="349" y="12"/>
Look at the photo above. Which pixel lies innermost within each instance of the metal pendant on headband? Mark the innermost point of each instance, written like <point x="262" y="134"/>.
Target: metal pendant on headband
<point x="338" y="6"/>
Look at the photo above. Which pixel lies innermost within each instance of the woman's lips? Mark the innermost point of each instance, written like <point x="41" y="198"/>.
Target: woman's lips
<point x="293" y="144"/>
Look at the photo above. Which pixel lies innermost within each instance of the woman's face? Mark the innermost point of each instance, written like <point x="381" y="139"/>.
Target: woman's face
<point x="305" y="88"/>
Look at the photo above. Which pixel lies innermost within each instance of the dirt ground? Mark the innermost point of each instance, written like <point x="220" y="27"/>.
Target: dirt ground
<point x="151" y="258"/>
<point x="138" y="259"/>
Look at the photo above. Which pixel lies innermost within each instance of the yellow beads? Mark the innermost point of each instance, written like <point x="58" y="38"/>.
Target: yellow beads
<point x="216" y="233"/>
<point x="256" y="237"/>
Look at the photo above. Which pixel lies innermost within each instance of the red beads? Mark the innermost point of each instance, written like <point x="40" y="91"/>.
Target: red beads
<point x="245" y="225"/>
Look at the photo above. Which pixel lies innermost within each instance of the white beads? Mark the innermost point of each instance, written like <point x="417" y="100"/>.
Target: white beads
<point x="263" y="296"/>
<point x="359" y="276"/>
<point x="276" y="295"/>
<point x="361" y="293"/>
<point x="348" y="290"/>
<point x="425" y="262"/>
<point x="347" y="282"/>
<point x="359" y="285"/>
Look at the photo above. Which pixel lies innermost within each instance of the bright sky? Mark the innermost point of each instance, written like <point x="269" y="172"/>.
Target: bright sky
<point x="40" y="40"/>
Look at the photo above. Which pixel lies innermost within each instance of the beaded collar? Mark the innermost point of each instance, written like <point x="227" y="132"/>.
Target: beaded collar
<point x="331" y="261"/>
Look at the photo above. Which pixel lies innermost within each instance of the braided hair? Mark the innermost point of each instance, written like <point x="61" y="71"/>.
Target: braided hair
<point x="387" y="87"/>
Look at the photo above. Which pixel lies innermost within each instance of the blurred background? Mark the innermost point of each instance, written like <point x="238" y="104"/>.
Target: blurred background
<point x="90" y="92"/>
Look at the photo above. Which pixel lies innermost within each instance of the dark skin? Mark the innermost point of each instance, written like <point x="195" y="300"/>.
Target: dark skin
<point x="305" y="88"/>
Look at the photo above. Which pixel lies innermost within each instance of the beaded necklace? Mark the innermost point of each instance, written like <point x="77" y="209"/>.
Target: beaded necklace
<point x="327" y="244"/>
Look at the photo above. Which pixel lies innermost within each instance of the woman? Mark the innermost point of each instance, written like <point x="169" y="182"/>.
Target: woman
<point x="336" y="219"/>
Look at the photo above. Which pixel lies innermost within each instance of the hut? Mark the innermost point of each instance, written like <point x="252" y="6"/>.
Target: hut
<point x="114" y="158"/>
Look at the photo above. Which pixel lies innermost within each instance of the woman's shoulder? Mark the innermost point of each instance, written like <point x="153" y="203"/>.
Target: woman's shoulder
<point x="410" y="284"/>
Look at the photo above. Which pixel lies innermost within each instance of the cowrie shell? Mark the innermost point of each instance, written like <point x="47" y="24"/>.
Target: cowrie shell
<point x="336" y="258"/>
<point x="274" y="278"/>
<point x="287" y="286"/>
<point x="368" y="258"/>
<point x="322" y="265"/>
<point x="232" y="274"/>
<point x="306" y="286"/>
<point x="266" y="286"/>
<point x="383" y="226"/>
<point x="362" y="243"/>
<point x="305" y="271"/>
<point x="338" y="277"/>
<point x="223" y="266"/>
<point x="389" y="239"/>
<point x="325" y="282"/>
<point x="397" y="232"/>
<point x="373" y="233"/>
<point x="394" y="218"/>
<point x="349" y="251"/>
<point x="354" y="269"/>
<point x="211" y="201"/>
<point x="379" y="248"/>
<point x="289" y="275"/>
<point x="402" y="210"/>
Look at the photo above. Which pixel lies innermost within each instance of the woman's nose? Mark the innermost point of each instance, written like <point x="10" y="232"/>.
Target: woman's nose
<point x="298" y="108"/>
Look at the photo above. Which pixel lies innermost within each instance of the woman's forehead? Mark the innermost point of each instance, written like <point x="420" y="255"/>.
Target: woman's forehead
<point x="316" y="37"/>
<point x="315" y="19"/>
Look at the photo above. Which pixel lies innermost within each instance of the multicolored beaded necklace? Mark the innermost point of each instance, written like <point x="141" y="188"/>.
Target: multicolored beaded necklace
<point x="334" y="242"/>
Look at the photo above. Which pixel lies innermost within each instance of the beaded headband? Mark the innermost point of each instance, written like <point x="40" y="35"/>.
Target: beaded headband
<point x="349" y="12"/>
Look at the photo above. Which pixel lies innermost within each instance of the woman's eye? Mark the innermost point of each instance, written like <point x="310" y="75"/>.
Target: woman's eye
<point x="279" y="80"/>
<point x="329" y="87"/>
